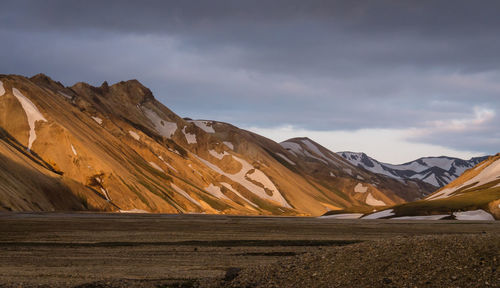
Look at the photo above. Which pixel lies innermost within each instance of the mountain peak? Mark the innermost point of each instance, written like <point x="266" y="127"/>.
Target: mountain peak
<point x="300" y="139"/>
<point x="136" y="91"/>
<point x="43" y="79"/>
<point x="41" y="76"/>
<point x="104" y="86"/>
<point x="131" y="91"/>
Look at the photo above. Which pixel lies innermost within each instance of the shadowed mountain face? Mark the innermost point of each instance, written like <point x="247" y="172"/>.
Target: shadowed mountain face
<point x="437" y="171"/>
<point x="116" y="148"/>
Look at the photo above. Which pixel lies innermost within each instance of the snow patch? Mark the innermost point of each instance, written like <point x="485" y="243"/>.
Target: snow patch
<point x="166" y="163"/>
<point x="343" y="216"/>
<point x="97" y="119"/>
<point x="65" y="95"/>
<point x="285" y="158"/>
<point x="2" y="90"/>
<point x="173" y="151"/>
<point x="359" y="188"/>
<point x="74" y="150"/>
<point x="444" y="193"/>
<point x="413" y="166"/>
<point x="190" y="138"/>
<point x="486" y="175"/>
<point x="259" y="176"/>
<point x="203" y="125"/>
<point x="444" y="163"/>
<point x="427" y="217"/>
<point x="218" y="155"/>
<point x="332" y="175"/>
<point x="171" y="167"/>
<point x="165" y="128"/>
<point x="134" y="135"/>
<point x="313" y="148"/>
<point x="380" y="214"/>
<point x="215" y="190"/>
<point x="240" y="178"/>
<point x="185" y="194"/>
<point x="480" y="165"/>
<point x="370" y="200"/>
<point x="229" y="144"/>
<point x="32" y="114"/>
<point x="105" y="192"/>
<point x="133" y="211"/>
<point x="308" y="154"/>
<point x="474" y="215"/>
<point x="154" y="165"/>
<point x="431" y="179"/>
<point x="293" y="147"/>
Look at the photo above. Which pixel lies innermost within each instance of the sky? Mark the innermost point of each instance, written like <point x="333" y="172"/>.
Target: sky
<point x="397" y="80"/>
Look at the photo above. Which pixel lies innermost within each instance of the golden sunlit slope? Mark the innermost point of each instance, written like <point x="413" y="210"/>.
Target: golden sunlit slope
<point x="116" y="148"/>
<point x="28" y="183"/>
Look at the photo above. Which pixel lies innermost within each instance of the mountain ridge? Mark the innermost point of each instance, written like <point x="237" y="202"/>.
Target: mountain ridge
<point x="432" y="170"/>
<point x="118" y="148"/>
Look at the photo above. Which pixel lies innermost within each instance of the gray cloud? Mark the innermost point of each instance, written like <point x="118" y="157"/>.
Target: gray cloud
<point x="324" y="65"/>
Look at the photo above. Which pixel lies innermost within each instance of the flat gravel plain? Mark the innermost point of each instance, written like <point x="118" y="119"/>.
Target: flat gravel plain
<point x="147" y="250"/>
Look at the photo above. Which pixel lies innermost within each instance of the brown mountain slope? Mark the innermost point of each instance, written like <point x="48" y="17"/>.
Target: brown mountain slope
<point x="334" y="171"/>
<point x="117" y="148"/>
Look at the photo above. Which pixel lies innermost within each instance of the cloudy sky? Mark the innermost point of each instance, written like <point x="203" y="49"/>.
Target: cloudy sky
<point x="395" y="79"/>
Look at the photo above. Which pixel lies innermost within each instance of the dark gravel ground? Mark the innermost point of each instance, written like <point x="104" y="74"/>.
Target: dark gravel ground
<point x="423" y="261"/>
<point x="110" y="250"/>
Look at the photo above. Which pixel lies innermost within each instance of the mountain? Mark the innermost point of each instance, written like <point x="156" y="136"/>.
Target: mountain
<point x="117" y="148"/>
<point x="437" y="171"/>
<point x="475" y="195"/>
<point x="328" y="168"/>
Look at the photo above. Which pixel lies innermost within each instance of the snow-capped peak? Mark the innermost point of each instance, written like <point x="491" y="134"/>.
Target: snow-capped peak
<point x="437" y="171"/>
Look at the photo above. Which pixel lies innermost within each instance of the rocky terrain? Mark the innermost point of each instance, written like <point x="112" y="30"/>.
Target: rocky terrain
<point x="426" y="261"/>
<point x="152" y="250"/>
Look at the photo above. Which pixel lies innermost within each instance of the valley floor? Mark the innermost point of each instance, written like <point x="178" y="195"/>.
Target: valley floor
<point x="144" y="250"/>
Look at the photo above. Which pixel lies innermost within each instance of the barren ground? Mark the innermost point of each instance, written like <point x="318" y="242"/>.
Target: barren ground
<point x="116" y="250"/>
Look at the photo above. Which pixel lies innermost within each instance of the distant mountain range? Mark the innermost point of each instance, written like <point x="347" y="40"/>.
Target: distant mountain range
<point x="117" y="148"/>
<point x="437" y="171"/>
<point x="474" y="195"/>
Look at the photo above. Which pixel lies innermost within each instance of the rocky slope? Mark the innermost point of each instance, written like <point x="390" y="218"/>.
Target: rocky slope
<point x="116" y="148"/>
<point x="437" y="171"/>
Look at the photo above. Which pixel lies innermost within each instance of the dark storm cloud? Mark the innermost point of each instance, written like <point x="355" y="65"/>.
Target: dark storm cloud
<point x="325" y="65"/>
<point x="379" y="32"/>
